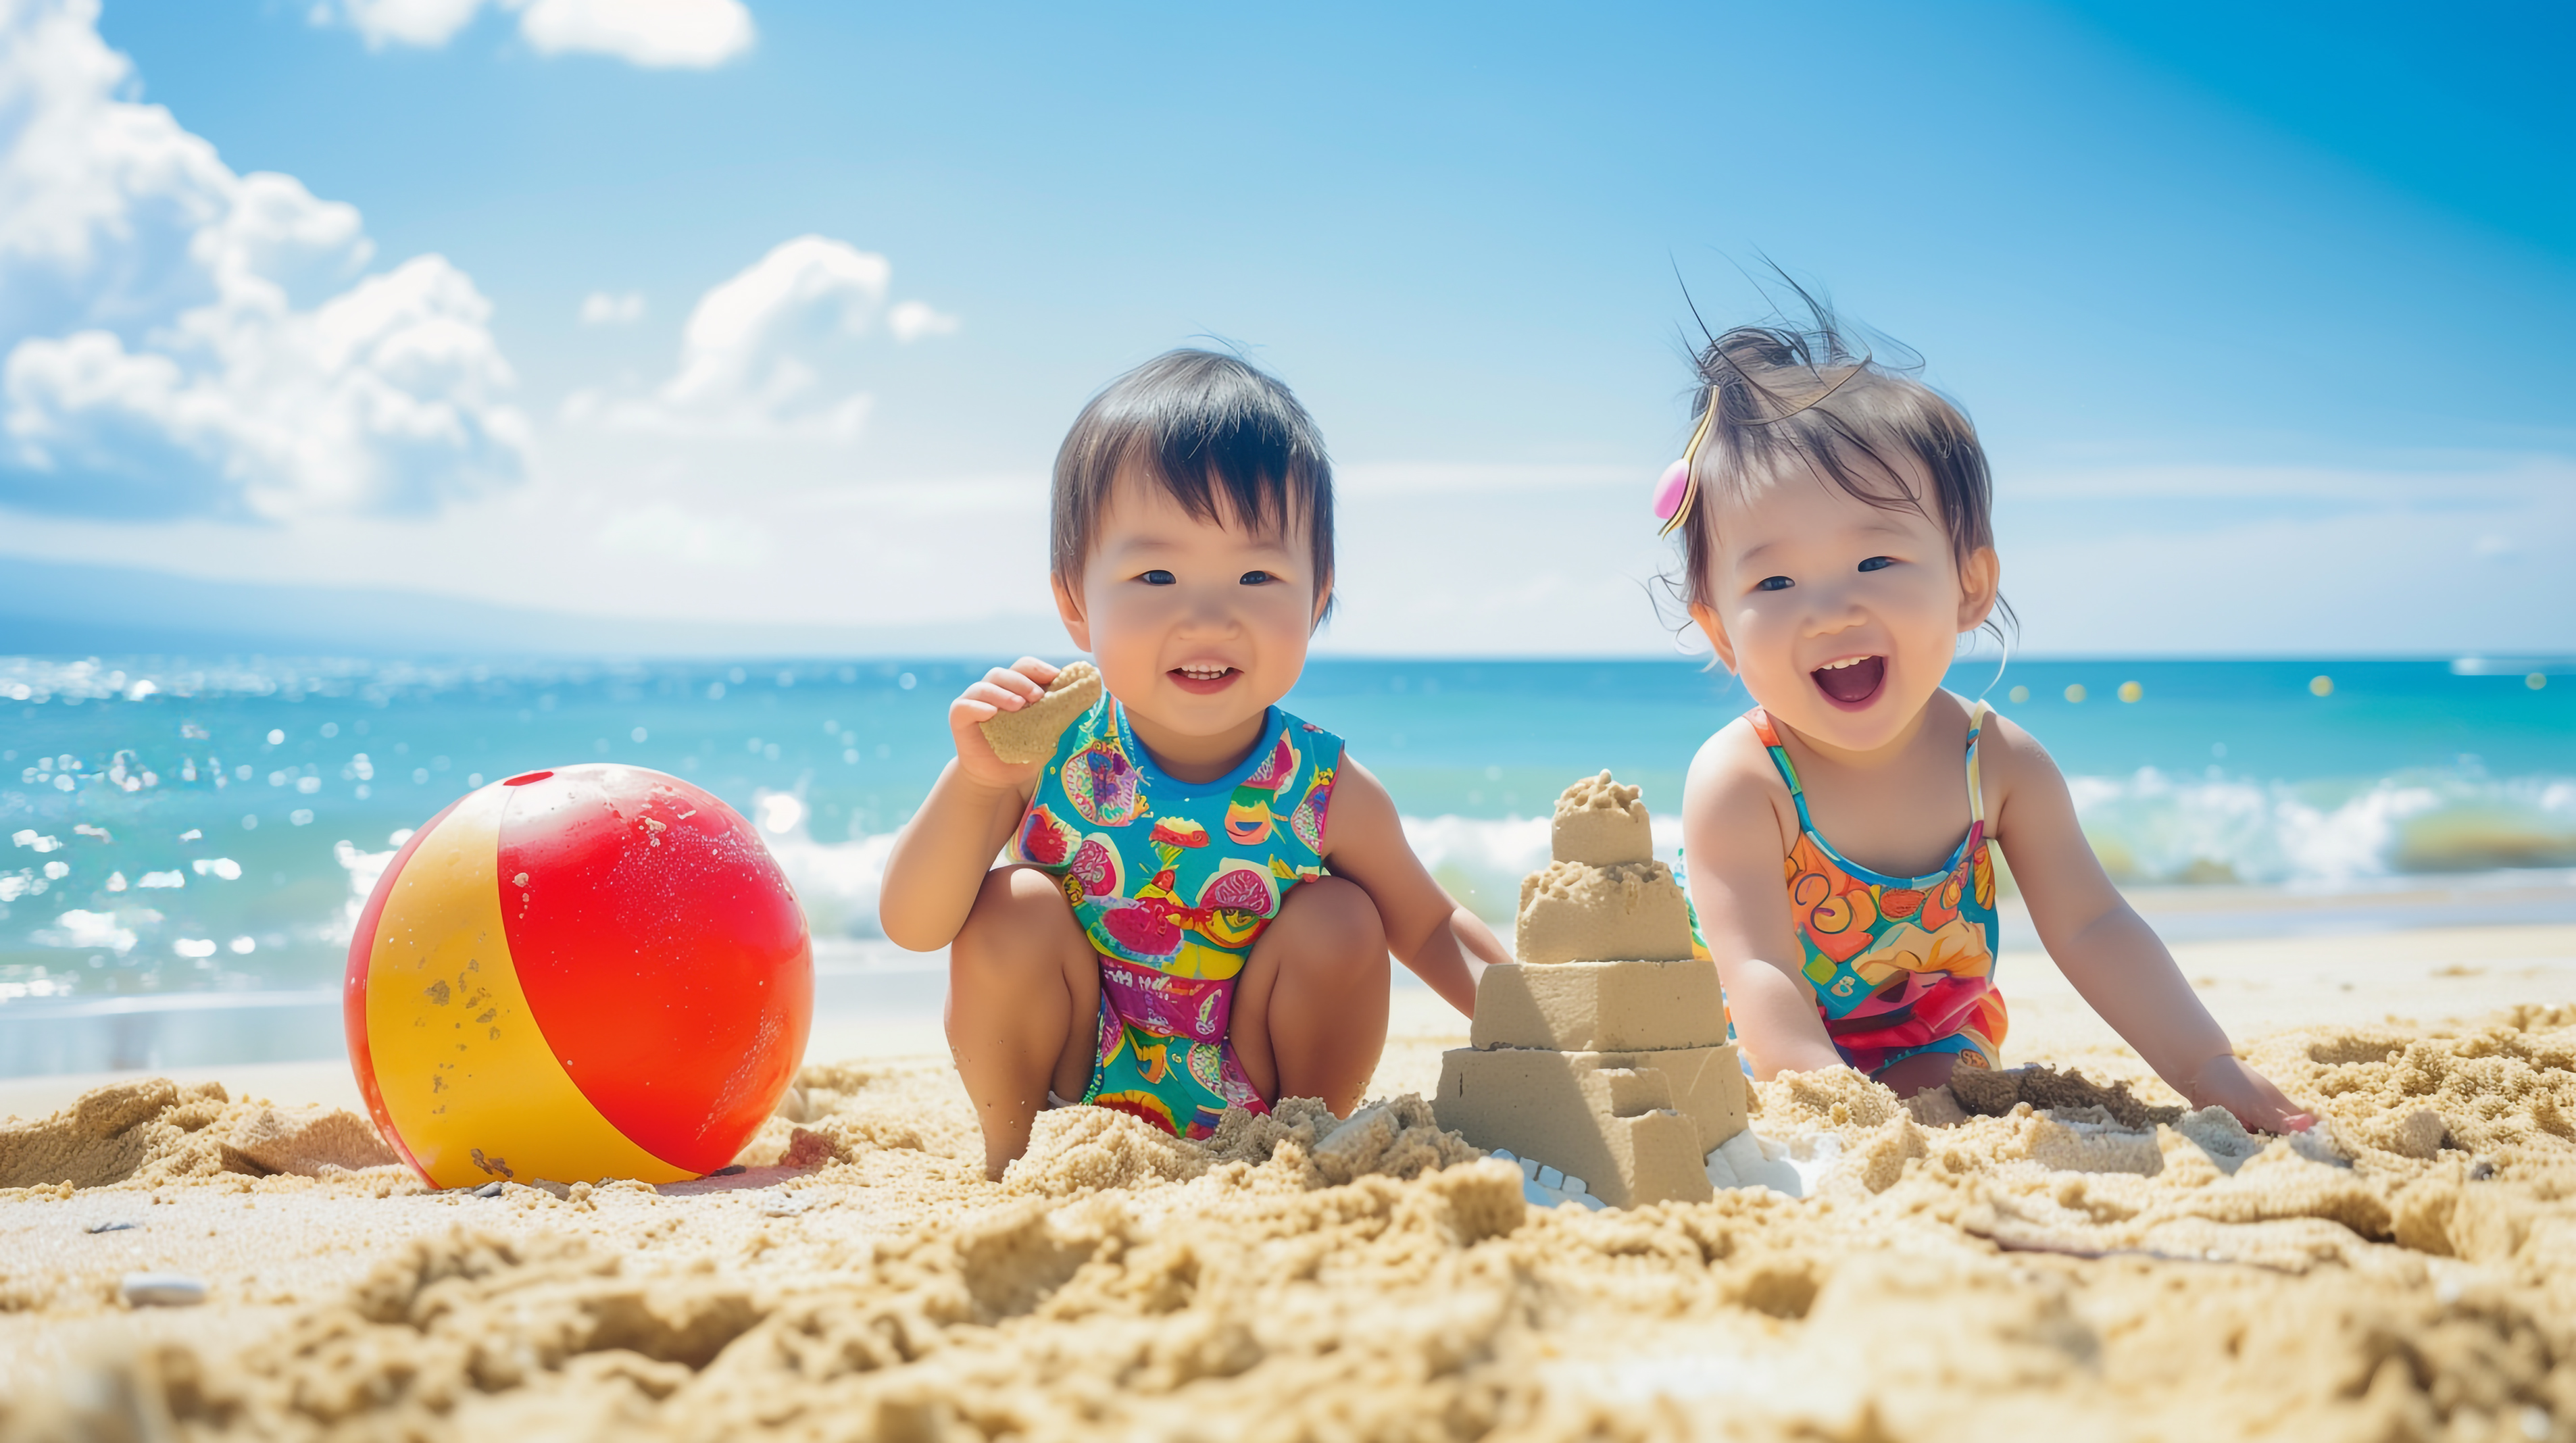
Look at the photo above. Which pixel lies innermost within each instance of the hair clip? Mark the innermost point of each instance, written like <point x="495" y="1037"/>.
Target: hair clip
<point x="1668" y="491"/>
<point x="1679" y="486"/>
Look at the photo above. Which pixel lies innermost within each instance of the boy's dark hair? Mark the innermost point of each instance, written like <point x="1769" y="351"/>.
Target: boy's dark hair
<point x="1796" y="402"/>
<point x="1219" y="437"/>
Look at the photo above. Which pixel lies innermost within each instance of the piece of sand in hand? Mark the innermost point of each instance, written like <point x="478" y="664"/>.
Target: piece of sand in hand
<point x="1029" y="734"/>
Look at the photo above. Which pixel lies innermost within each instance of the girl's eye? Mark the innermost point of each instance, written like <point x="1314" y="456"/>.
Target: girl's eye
<point x="1773" y="583"/>
<point x="1156" y="578"/>
<point x="1255" y="578"/>
<point x="1878" y="563"/>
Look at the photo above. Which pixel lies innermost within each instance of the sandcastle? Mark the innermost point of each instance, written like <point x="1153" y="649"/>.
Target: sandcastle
<point x="1599" y="1060"/>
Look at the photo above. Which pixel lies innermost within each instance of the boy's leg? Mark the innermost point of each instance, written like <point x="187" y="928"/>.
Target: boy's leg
<point x="1023" y="1006"/>
<point x="1310" y="1008"/>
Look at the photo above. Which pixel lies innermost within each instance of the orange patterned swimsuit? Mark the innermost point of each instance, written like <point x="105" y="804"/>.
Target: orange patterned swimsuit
<point x="1901" y="965"/>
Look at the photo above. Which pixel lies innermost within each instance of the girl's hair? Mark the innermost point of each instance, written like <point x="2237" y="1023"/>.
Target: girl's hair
<point x="1204" y="427"/>
<point x="1796" y="403"/>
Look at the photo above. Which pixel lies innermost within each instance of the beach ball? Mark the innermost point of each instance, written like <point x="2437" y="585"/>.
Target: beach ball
<point x="591" y="972"/>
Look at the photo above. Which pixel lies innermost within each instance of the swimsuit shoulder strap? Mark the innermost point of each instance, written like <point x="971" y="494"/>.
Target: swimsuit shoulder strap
<point x="1321" y="747"/>
<point x="1977" y="715"/>
<point x="1770" y="736"/>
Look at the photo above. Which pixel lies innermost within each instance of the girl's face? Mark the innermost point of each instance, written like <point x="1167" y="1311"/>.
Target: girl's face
<point x="1197" y="626"/>
<point x="1840" y="617"/>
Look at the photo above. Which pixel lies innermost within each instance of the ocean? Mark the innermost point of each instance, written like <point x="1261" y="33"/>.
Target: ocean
<point x="190" y="841"/>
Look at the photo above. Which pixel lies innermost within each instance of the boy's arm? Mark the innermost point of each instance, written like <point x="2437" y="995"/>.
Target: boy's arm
<point x="2116" y="961"/>
<point x="1731" y="836"/>
<point x="940" y="858"/>
<point x="1446" y="945"/>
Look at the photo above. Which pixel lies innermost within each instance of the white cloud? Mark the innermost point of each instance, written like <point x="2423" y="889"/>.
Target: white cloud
<point x="663" y="531"/>
<point x="402" y="22"/>
<point x="599" y="308"/>
<point x="176" y="338"/>
<point x="641" y="527"/>
<point x="768" y="352"/>
<point x="1450" y="478"/>
<point x="2255" y="559"/>
<point x="657" y="34"/>
<point x="911" y="320"/>
<point x="662" y="34"/>
<point x="1523" y="564"/>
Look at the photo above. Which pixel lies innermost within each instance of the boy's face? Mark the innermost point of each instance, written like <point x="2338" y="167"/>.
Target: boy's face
<point x="1196" y="626"/>
<point x="1841" y="617"/>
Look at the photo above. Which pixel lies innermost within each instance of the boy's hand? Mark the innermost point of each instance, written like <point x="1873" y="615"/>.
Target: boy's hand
<point x="1004" y="688"/>
<point x="2225" y="1081"/>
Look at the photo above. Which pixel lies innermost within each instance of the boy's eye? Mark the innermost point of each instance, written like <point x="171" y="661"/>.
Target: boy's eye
<point x="1878" y="563"/>
<point x="1255" y="578"/>
<point x="1156" y="578"/>
<point x="1773" y="583"/>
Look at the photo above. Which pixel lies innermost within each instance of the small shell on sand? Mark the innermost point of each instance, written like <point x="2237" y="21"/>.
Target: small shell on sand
<point x="161" y="1290"/>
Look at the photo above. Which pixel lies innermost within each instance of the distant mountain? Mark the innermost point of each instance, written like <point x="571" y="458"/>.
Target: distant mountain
<point x="56" y="608"/>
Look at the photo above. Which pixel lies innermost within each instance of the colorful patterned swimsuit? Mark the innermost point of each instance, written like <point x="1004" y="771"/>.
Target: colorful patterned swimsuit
<point x="1901" y="965"/>
<point x="1173" y="881"/>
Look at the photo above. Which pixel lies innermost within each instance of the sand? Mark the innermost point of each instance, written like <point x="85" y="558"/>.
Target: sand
<point x="1029" y="734"/>
<point x="2072" y="1255"/>
<point x="1600" y="820"/>
<point x="1577" y="912"/>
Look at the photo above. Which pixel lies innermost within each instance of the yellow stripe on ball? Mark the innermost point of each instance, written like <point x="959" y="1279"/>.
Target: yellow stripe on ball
<point x="453" y="1039"/>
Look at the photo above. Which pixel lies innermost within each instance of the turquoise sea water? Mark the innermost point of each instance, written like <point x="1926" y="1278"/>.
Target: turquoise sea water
<point x="188" y="839"/>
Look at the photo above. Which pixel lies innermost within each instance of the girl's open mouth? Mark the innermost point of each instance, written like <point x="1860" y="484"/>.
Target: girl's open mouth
<point x="1851" y="683"/>
<point x="1203" y="680"/>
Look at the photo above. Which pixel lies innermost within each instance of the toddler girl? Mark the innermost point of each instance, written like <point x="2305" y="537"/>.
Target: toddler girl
<point x="1200" y="891"/>
<point x="1835" y="522"/>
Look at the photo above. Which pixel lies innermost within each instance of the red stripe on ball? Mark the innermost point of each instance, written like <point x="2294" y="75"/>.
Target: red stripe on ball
<point x="662" y="953"/>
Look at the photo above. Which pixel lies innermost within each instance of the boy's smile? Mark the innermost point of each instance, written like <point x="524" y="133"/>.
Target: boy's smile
<point x="1204" y="678"/>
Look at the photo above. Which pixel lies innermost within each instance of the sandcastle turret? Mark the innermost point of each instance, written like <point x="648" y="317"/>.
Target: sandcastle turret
<point x="1602" y="1052"/>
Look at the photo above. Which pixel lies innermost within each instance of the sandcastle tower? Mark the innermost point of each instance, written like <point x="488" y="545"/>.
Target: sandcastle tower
<point x="1601" y="1055"/>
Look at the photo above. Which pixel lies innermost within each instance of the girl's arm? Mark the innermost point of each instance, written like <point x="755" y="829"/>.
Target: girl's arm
<point x="1446" y="945"/>
<point x="2117" y="963"/>
<point x="1731" y="834"/>
<point x="941" y="856"/>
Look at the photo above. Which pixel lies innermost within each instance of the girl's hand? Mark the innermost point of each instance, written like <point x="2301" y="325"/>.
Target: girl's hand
<point x="2225" y="1081"/>
<point x="2105" y="948"/>
<point x="1004" y="688"/>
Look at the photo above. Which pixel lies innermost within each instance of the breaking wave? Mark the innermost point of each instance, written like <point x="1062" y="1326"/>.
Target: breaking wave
<point x="2155" y="827"/>
<point x="2150" y="827"/>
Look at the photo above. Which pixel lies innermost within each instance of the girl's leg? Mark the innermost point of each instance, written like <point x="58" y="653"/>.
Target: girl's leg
<point x="1922" y="1072"/>
<point x="1310" y="1007"/>
<point x="1023" y="1006"/>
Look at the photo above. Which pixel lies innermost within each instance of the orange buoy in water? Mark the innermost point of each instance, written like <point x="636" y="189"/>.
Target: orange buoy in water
<point x="591" y="972"/>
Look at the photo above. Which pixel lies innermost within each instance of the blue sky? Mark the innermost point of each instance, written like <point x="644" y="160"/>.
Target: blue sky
<point x="2263" y="318"/>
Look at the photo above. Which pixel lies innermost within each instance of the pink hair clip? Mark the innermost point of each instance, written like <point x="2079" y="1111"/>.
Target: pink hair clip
<point x="1668" y="492"/>
<point x="1679" y="486"/>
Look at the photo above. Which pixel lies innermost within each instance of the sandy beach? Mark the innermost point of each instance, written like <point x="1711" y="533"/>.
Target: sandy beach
<point x="2072" y="1256"/>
